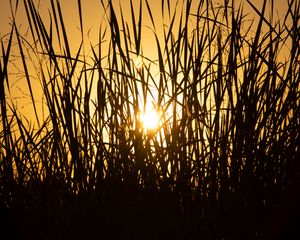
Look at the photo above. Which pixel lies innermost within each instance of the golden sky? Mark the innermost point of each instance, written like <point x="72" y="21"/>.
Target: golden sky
<point x="93" y="12"/>
<point x="93" y="15"/>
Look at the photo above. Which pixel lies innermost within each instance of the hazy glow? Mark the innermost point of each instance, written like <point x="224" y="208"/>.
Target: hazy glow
<point x="138" y="62"/>
<point x="150" y="119"/>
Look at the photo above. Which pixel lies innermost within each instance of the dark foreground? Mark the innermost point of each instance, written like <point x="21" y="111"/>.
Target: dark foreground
<point x="45" y="211"/>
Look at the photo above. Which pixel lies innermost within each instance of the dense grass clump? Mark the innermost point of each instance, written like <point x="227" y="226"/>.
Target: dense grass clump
<point x="223" y="162"/>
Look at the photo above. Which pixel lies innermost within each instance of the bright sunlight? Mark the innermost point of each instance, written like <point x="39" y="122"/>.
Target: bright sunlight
<point x="150" y="119"/>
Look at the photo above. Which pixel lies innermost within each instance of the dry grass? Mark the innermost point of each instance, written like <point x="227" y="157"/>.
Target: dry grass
<point x="223" y="160"/>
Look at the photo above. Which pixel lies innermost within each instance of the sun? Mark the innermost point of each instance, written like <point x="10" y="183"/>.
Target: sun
<point x="150" y="119"/>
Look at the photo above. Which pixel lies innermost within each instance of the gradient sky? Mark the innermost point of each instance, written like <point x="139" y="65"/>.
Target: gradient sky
<point x="93" y="14"/>
<point x="92" y="10"/>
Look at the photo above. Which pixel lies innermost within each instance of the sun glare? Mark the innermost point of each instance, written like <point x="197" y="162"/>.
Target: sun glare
<point x="150" y="119"/>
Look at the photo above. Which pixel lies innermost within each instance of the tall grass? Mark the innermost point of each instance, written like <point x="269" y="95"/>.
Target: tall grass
<point x="223" y="164"/>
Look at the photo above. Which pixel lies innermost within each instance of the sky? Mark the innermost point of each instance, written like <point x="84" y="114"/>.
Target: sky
<point x="93" y="15"/>
<point x="93" y="12"/>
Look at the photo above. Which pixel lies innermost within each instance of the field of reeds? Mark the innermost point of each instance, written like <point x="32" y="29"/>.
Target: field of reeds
<point x="223" y="162"/>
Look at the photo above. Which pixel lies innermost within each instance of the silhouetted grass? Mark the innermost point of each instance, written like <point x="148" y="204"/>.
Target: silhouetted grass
<point x="224" y="162"/>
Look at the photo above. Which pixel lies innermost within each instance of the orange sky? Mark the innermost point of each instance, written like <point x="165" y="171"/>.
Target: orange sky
<point x="93" y="15"/>
<point x="92" y="10"/>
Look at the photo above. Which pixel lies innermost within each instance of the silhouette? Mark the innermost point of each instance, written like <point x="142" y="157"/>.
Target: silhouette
<point x="221" y="164"/>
